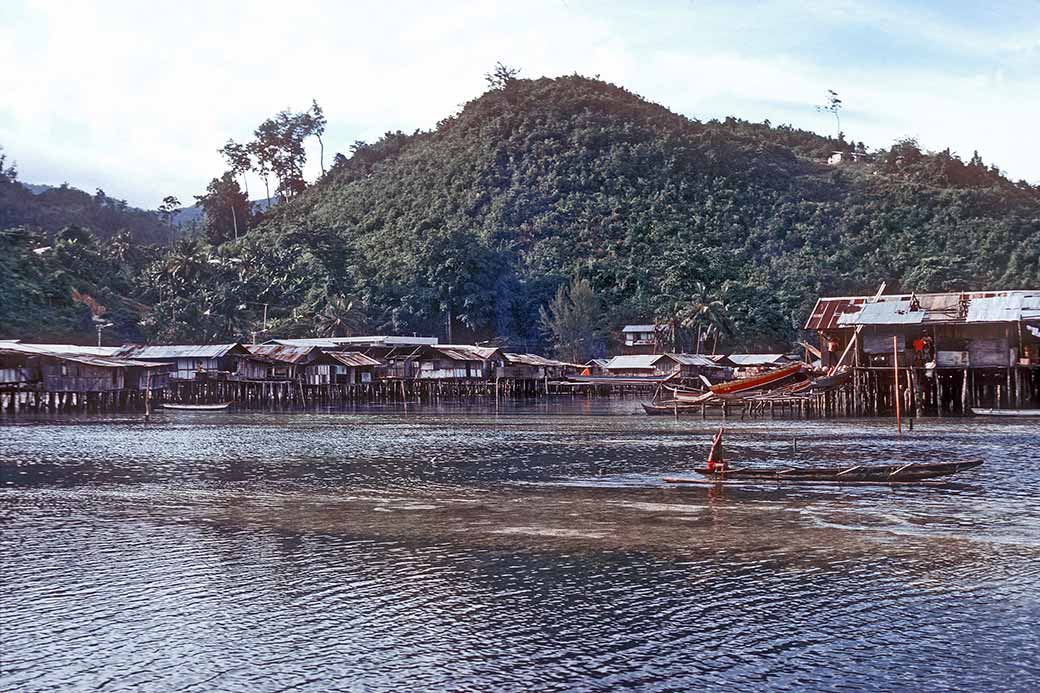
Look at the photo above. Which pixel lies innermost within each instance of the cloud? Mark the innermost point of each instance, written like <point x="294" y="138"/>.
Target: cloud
<point x="137" y="97"/>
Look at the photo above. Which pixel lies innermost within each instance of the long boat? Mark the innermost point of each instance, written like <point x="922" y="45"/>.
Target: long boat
<point x="757" y="382"/>
<point x="735" y="389"/>
<point x="196" y="407"/>
<point x="1006" y="412"/>
<point x="666" y="409"/>
<point x="858" y="474"/>
<point x="619" y="379"/>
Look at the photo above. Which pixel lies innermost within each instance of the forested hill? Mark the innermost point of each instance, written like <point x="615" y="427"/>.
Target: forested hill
<point x="537" y="182"/>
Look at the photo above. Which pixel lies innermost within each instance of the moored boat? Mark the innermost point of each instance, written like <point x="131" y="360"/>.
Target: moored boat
<point x="757" y="382"/>
<point x="669" y="409"/>
<point x="196" y="407"/>
<point x="857" y="474"/>
<point x="1005" y="412"/>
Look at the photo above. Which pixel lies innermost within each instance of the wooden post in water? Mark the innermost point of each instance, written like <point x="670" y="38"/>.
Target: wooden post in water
<point x="895" y="366"/>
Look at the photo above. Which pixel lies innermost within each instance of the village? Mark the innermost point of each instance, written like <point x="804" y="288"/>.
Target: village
<point x="933" y="354"/>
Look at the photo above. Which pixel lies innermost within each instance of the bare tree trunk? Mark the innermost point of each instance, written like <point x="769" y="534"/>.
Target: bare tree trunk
<point x="234" y="220"/>
<point x="321" y="156"/>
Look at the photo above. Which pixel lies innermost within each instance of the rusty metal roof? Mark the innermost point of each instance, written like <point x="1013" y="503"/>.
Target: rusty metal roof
<point x="354" y="359"/>
<point x="693" y="360"/>
<point x="284" y="354"/>
<point x="180" y="351"/>
<point x="466" y="352"/>
<point x="950" y="307"/>
<point x="535" y="360"/>
<point x="827" y="311"/>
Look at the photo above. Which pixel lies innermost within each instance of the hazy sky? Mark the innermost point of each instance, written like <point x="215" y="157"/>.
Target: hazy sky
<point x="136" y="97"/>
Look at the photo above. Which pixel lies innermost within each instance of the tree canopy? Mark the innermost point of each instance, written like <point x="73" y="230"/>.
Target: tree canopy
<point x="728" y="228"/>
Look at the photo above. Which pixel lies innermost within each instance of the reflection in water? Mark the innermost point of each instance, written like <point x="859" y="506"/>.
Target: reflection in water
<point x="530" y="547"/>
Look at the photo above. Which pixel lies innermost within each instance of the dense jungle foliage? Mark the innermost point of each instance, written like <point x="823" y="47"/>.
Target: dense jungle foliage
<point x="732" y="227"/>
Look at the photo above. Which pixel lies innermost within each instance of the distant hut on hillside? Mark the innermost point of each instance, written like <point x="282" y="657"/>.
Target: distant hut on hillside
<point x="641" y="339"/>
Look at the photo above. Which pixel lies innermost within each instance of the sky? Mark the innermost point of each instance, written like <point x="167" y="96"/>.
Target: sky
<point x="136" y="96"/>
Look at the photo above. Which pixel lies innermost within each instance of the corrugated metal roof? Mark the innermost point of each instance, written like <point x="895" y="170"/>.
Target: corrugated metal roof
<point x="11" y="349"/>
<point x="533" y="360"/>
<point x="66" y="348"/>
<point x="693" y="360"/>
<point x="757" y="359"/>
<point x="882" y="313"/>
<point x="639" y="328"/>
<point x="284" y="354"/>
<point x="633" y="362"/>
<point x="179" y="351"/>
<point x="354" y="359"/>
<point x="1013" y="307"/>
<point x="466" y="352"/>
<point x="369" y="340"/>
<point x="828" y="310"/>
<point x="950" y="307"/>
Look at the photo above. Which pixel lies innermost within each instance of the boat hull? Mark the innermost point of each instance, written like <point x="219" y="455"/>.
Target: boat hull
<point x="858" y="474"/>
<point x="1011" y="413"/>
<point x="757" y="382"/>
<point x="669" y="409"/>
<point x="196" y="407"/>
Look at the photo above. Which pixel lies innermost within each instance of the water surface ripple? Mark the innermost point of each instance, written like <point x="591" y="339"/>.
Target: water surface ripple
<point x="526" y="547"/>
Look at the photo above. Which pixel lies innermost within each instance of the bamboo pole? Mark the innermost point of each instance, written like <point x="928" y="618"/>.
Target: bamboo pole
<point x="895" y="365"/>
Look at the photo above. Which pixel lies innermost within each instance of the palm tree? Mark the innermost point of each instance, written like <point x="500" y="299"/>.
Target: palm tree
<point x="185" y="260"/>
<point x="707" y="313"/>
<point x="339" y="317"/>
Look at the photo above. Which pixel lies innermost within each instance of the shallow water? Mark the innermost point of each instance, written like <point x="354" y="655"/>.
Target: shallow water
<point x="532" y="547"/>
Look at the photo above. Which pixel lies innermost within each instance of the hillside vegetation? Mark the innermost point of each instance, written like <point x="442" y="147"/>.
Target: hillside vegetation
<point x="538" y="182"/>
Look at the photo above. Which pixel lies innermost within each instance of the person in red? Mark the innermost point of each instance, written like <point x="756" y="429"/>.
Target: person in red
<point x="716" y="460"/>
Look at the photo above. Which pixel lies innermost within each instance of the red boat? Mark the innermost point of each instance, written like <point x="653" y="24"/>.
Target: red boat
<point x="757" y="382"/>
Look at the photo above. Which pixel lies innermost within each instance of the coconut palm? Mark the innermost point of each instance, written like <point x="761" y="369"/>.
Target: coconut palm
<point x="707" y="313"/>
<point x="340" y="317"/>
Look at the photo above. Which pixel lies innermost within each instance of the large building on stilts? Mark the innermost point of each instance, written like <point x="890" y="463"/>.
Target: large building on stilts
<point x="959" y="350"/>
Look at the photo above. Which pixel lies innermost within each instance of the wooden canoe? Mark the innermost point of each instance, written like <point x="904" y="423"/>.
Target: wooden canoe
<point x="858" y="474"/>
<point x="1006" y="412"/>
<point x="757" y="382"/>
<point x="665" y="409"/>
<point x="196" y="407"/>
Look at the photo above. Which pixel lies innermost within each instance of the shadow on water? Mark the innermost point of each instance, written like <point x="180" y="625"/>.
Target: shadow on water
<point x="530" y="546"/>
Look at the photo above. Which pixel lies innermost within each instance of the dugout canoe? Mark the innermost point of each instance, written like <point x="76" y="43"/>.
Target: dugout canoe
<point x="1005" y="412"/>
<point x="857" y="474"/>
<point x="196" y="407"/>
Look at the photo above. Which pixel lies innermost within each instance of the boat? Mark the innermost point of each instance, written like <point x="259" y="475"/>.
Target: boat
<point x="196" y="407"/>
<point x="669" y="409"/>
<point x="857" y="474"/>
<point x="619" y="379"/>
<point x="1006" y="412"/>
<point x="757" y="382"/>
